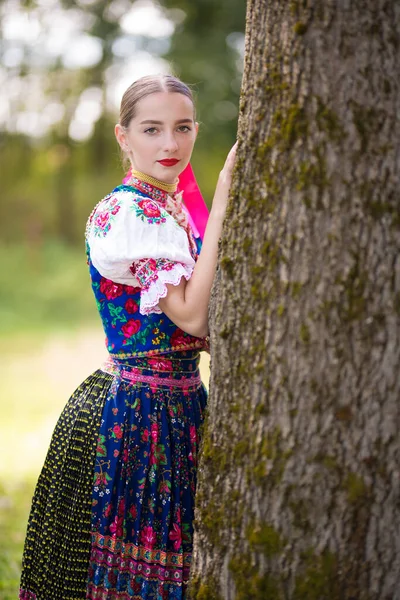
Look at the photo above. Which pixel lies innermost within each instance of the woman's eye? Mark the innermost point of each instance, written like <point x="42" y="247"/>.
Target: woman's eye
<point x="150" y="130"/>
<point x="184" y="128"/>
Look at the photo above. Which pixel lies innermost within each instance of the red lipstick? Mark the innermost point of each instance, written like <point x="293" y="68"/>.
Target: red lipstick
<point x="168" y="162"/>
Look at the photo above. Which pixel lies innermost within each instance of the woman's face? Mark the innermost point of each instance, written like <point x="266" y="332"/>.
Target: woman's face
<point x="160" y="138"/>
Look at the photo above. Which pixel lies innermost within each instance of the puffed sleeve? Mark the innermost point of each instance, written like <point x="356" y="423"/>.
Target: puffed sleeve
<point x="134" y="241"/>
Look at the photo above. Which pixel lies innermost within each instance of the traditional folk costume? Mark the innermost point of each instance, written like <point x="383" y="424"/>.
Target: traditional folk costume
<point x="112" y="514"/>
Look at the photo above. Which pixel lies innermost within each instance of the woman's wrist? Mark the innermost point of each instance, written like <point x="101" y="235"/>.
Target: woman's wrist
<point x="217" y="213"/>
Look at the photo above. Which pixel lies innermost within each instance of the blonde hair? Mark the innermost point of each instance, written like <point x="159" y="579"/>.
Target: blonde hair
<point x="150" y="84"/>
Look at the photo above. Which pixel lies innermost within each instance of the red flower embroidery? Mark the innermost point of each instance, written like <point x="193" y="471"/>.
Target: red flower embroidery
<point x="151" y="264"/>
<point x="168" y="265"/>
<point x="160" y="364"/>
<point x="176" y="536"/>
<point x="193" y="434"/>
<point x="131" y="306"/>
<point x="117" y="431"/>
<point x="131" y="327"/>
<point x="154" y="432"/>
<point x="110" y="289"/>
<point x="116" y="527"/>
<point x="133" y="511"/>
<point x="100" y="479"/>
<point x="153" y="458"/>
<point x="164" y="488"/>
<point x="129" y="289"/>
<point x="148" y="537"/>
<point x="149" y="208"/>
<point x="102" y="219"/>
<point x="178" y="338"/>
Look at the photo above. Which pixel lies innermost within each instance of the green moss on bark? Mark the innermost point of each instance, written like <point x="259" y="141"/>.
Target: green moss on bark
<point x="328" y="121"/>
<point x="355" y="487"/>
<point x="300" y="28"/>
<point x="228" y="265"/>
<point x="250" y="584"/>
<point x="305" y="333"/>
<point x="319" y="578"/>
<point x="264" y="538"/>
<point x="199" y="590"/>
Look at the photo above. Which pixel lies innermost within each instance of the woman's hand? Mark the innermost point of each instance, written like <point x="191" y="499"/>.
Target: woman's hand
<point x="224" y="183"/>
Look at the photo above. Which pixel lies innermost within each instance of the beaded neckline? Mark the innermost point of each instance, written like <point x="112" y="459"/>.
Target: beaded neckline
<point x="147" y="188"/>
<point x="166" y="187"/>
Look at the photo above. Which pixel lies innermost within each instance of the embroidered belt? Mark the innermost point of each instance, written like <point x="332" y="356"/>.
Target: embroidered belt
<point x="135" y="375"/>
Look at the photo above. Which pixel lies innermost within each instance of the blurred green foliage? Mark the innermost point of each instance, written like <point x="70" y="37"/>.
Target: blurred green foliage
<point x="42" y="288"/>
<point x="50" y="184"/>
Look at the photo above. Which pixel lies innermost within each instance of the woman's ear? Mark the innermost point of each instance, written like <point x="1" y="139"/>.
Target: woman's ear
<point x="121" y="137"/>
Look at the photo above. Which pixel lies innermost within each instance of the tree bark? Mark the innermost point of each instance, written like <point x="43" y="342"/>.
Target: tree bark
<point x="298" y="494"/>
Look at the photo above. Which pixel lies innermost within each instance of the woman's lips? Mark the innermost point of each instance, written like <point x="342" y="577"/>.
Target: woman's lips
<point x="168" y="162"/>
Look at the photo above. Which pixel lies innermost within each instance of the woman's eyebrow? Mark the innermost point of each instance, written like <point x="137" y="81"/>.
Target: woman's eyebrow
<point x="153" y="122"/>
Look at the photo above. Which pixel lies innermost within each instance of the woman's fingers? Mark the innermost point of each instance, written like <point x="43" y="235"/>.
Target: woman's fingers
<point x="230" y="159"/>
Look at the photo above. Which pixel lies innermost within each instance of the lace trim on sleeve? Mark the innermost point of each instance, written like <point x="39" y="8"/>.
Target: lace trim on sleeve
<point x="153" y="276"/>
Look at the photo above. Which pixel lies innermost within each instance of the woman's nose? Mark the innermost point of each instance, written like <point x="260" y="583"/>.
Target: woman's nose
<point x="170" y="143"/>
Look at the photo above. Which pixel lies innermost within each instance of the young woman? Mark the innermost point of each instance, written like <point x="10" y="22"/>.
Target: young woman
<point x="112" y="514"/>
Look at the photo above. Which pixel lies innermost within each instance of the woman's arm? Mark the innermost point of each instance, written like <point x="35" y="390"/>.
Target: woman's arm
<point x="187" y="303"/>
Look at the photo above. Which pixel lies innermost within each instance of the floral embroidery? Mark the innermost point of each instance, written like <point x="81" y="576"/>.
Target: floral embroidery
<point x="110" y="289"/>
<point x="148" y="537"/>
<point x="131" y="306"/>
<point x="142" y="529"/>
<point x="131" y="327"/>
<point x="146" y="270"/>
<point x="179" y="337"/>
<point x="176" y="536"/>
<point x="149" y="211"/>
<point x="104" y="216"/>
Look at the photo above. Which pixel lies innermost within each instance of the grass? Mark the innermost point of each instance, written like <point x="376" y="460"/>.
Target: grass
<point x="15" y="499"/>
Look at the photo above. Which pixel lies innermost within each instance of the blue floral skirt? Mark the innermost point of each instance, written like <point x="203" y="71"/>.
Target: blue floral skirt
<point x="112" y="516"/>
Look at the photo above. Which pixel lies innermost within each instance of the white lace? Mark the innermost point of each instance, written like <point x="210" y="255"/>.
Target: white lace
<point x="150" y="297"/>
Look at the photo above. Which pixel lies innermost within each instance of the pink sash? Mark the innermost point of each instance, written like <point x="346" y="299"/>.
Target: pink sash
<point x="194" y="202"/>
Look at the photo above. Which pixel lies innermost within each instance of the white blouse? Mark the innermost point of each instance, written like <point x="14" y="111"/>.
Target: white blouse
<point x="134" y="241"/>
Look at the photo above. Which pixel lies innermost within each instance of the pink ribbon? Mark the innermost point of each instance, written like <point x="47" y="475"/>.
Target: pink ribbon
<point x="193" y="200"/>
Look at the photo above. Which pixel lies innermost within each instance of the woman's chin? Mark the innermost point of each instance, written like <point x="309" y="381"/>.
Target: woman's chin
<point x="169" y="174"/>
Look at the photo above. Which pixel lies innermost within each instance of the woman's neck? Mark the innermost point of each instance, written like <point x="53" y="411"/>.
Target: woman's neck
<point x="166" y="187"/>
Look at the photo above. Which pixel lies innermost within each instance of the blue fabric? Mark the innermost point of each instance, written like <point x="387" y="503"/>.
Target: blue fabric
<point x="145" y="480"/>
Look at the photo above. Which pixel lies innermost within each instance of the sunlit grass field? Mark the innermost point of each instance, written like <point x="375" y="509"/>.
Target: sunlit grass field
<point x="50" y="340"/>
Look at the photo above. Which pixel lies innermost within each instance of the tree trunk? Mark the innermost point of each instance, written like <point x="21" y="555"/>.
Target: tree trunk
<point x="298" y="494"/>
